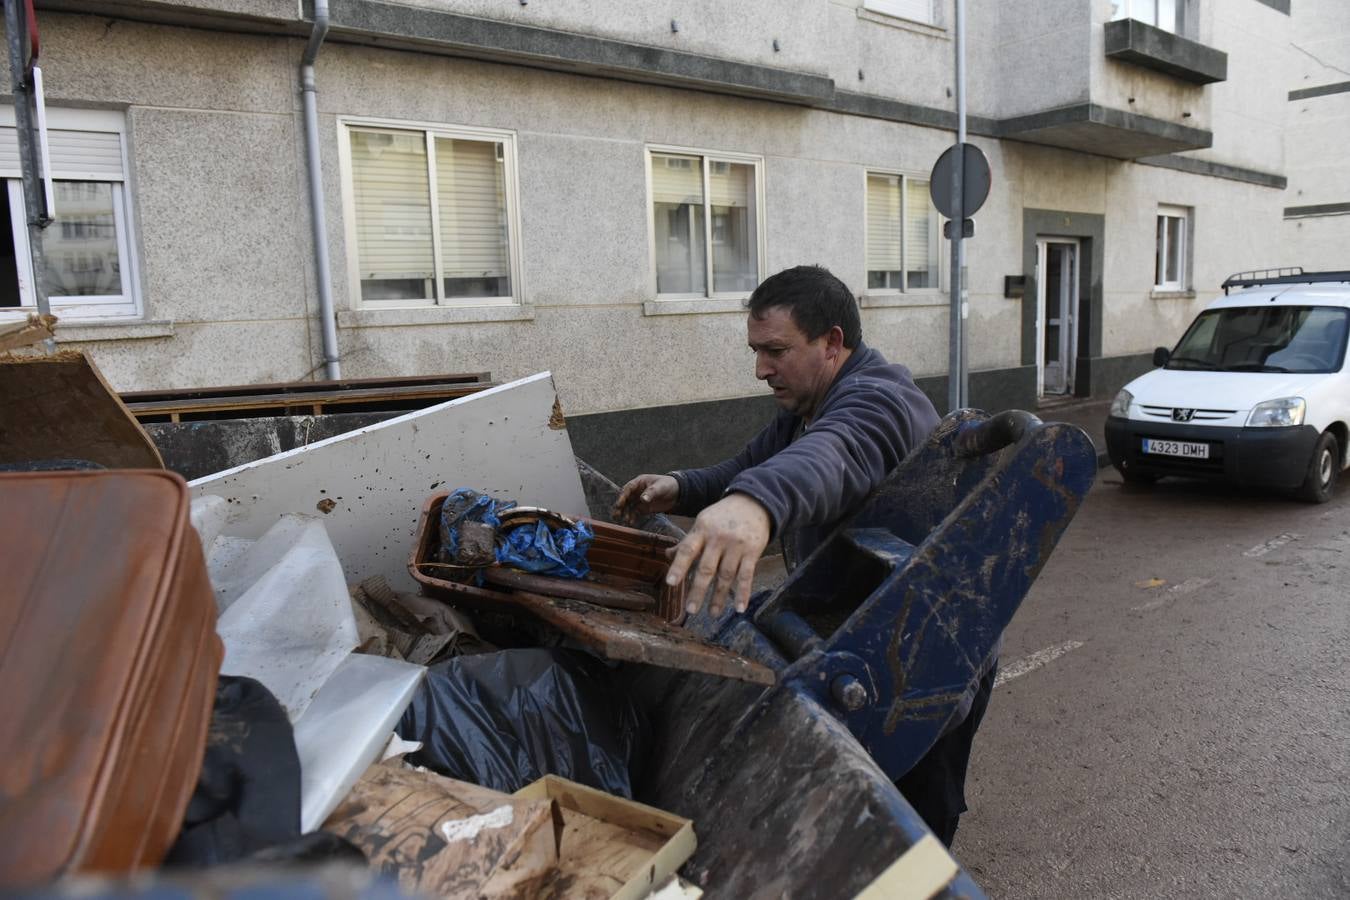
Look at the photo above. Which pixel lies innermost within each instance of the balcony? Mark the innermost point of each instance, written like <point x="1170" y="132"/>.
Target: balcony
<point x="1132" y="41"/>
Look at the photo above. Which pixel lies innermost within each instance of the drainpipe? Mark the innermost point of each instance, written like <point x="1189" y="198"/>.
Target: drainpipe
<point x="327" y="317"/>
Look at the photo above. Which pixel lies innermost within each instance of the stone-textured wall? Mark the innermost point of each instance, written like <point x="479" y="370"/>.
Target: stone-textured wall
<point x="1316" y="137"/>
<point x="219" y="194"/>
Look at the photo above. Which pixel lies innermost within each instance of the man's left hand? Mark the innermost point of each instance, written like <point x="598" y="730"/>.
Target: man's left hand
<point x="722" y="549"/>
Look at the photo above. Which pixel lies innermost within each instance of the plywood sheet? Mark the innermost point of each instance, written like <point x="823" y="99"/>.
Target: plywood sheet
<point x="368" y="485"/>
<point x="641" y="637"/>
<point x="60" y="407"/>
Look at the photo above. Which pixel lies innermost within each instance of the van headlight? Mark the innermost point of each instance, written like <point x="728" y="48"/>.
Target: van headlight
<point x="1277" y="413"/>
<point x="1121" y="405"/>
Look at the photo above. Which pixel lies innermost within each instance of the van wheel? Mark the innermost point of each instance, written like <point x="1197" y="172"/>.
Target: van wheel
<point x="1323" y="468"/>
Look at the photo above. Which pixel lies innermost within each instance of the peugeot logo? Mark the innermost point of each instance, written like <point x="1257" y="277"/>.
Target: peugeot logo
<point x="1182" y="415"/>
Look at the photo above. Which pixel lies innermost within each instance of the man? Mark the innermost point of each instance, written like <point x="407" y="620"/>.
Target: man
<point x="847" y="417"/>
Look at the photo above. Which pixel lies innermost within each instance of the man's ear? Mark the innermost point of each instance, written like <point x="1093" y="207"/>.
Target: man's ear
<point x="834" y="341"/>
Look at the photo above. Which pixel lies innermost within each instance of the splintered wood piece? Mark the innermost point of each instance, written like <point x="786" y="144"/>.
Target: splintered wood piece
<point x="60" y="407"/>
<point x="586" y="591"/>
<point x="32" y="330"/>
<point x="641" y="637"/>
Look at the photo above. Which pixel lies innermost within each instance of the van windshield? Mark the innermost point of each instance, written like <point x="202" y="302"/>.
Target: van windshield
<point x="1264" y="339"/>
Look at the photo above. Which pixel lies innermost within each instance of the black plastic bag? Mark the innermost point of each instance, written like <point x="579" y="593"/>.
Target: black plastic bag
<point x="503" y="720"/>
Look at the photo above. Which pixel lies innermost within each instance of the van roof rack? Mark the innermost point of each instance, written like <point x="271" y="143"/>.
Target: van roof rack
<point x="1284" y="275"/>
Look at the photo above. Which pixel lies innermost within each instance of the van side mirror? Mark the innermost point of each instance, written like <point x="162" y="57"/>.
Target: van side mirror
<point x="1160" y="356"/>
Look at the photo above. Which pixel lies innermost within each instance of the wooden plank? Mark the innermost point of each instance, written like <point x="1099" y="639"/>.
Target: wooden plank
<point x="309" y="401"/>
<point x="299" y="387"/>
<point x="25" y="332"/>
<point x="60" y="407"/>
<point x="575" y="589"/>
<point x="641" y="637"/>
<point x="368" y="484"/>
<point x="920" y="873"/>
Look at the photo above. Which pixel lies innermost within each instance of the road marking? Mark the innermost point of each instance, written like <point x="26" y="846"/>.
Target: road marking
<point x="1176" y="590"/>
<point x="1035" y="661"/>
<point x="1274" y="543"/>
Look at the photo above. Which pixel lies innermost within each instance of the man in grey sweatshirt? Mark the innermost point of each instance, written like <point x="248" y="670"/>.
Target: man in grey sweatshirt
<point x="846" y="419"/>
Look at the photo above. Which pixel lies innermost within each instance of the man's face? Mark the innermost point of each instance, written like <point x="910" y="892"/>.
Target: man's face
<point x="798" y="370"/>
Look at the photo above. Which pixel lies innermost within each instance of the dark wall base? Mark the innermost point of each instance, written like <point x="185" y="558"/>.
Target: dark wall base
<point x="618" y="444"/>
<point x="1107" y="375"/>
<point x="195" y="449"/>
<point x="991" y="390"/>
<point x="657" y="439"/>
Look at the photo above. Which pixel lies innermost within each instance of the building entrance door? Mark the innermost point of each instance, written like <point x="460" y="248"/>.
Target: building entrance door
<point x="1056" y="314"/>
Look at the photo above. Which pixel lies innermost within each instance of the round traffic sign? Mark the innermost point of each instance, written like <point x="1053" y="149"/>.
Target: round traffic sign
<point x="975" y="180"/>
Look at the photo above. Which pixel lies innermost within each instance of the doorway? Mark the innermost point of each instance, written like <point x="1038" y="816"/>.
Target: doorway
<point x="1057" y="270"/>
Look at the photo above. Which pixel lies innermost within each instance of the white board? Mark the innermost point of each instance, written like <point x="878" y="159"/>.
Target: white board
<point x="508" y="441"/>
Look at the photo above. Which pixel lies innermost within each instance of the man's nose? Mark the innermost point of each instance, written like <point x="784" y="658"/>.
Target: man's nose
<point x="762" y="368"/>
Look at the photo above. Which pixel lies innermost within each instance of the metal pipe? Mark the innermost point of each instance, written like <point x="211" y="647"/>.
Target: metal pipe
<point x="16" y="29"/>
<point x="959" y="391"/>
<point x="964" y="292"/>
<point x="309" y="101"/>
<point x="955" y="332"/>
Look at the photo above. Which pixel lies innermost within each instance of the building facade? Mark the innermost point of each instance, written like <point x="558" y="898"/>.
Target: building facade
<point x="595" y="187"/>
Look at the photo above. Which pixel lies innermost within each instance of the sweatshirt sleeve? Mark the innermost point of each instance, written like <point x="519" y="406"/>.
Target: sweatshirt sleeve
<point x="702" y="487"/>
<point x="836" y="463"/>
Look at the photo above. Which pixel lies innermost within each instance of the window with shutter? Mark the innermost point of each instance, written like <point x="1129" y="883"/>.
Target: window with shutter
<point x="416" y="245"/>
<point x="87" y="268"/>
<point x="703" y="205"/>
<point x="921" y="237"/>
<point x="884" y="266"/>
<point x="902" y="234"/>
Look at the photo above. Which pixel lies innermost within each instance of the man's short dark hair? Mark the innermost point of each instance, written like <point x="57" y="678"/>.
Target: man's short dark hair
<point x="816" y="300"/>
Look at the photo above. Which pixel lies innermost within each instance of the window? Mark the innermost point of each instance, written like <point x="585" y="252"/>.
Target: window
<point x="1170" y="263"/>
<point x="705" y="208"/>
<point x="902" y="234"/>
<point x="1164" y="14"/>
<point x="86" y="255"/>
<point x="914" y="10"/>
<point x="431" y="215"/>
<point x="1303" y="339"/>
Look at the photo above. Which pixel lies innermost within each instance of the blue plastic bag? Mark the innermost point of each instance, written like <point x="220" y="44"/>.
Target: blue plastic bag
<point x="536" y="547"/>
<point x="545" y="550"/>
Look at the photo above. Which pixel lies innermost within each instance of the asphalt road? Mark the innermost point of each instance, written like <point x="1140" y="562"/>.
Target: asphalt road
<point x="1181" y="723"/>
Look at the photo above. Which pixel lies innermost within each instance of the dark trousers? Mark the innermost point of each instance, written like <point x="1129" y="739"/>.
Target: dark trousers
<point x="936" y="786"/>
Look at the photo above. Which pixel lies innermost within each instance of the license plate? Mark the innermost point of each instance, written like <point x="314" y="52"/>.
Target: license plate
<point x="1188" y="449"/>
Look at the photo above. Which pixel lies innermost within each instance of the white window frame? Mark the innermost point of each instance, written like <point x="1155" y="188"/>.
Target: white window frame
<point x="77" y="309"/>
<point x="900" y="9"/>
<point x="1161" y="247"/>
<point x="1134" y="9"/>
<point x="705" y="157"/>
<point x="934" y="222"/>
<point x="430" y="131"/>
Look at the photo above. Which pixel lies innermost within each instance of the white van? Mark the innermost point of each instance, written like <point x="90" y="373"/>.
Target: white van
<point x="1257" y="391"/>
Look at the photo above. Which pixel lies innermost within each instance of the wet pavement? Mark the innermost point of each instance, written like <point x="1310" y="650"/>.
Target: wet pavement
<point x="1178" y="720"/>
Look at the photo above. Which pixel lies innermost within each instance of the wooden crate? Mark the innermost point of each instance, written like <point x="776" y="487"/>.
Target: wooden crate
<point x="608" y="841"/>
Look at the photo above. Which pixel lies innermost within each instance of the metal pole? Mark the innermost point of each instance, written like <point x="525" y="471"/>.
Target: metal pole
<point x="955" y="341"/>
<point x="318" y="220"/>
<point x="16" y="29"/>
<point x="963" y="291"/>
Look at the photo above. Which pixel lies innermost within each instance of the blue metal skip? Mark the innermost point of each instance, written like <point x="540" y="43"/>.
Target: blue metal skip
<point x="876" y="636"/>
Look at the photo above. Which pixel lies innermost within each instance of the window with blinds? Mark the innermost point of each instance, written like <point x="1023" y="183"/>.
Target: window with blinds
<point x="902" y="234"/>
<point x="431" y="216"/>
<point x="705" y="208"/>
<point x="85" y="251"/>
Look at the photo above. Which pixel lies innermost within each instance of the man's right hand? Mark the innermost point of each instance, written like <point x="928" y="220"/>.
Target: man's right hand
<point x="645" y="496"/>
